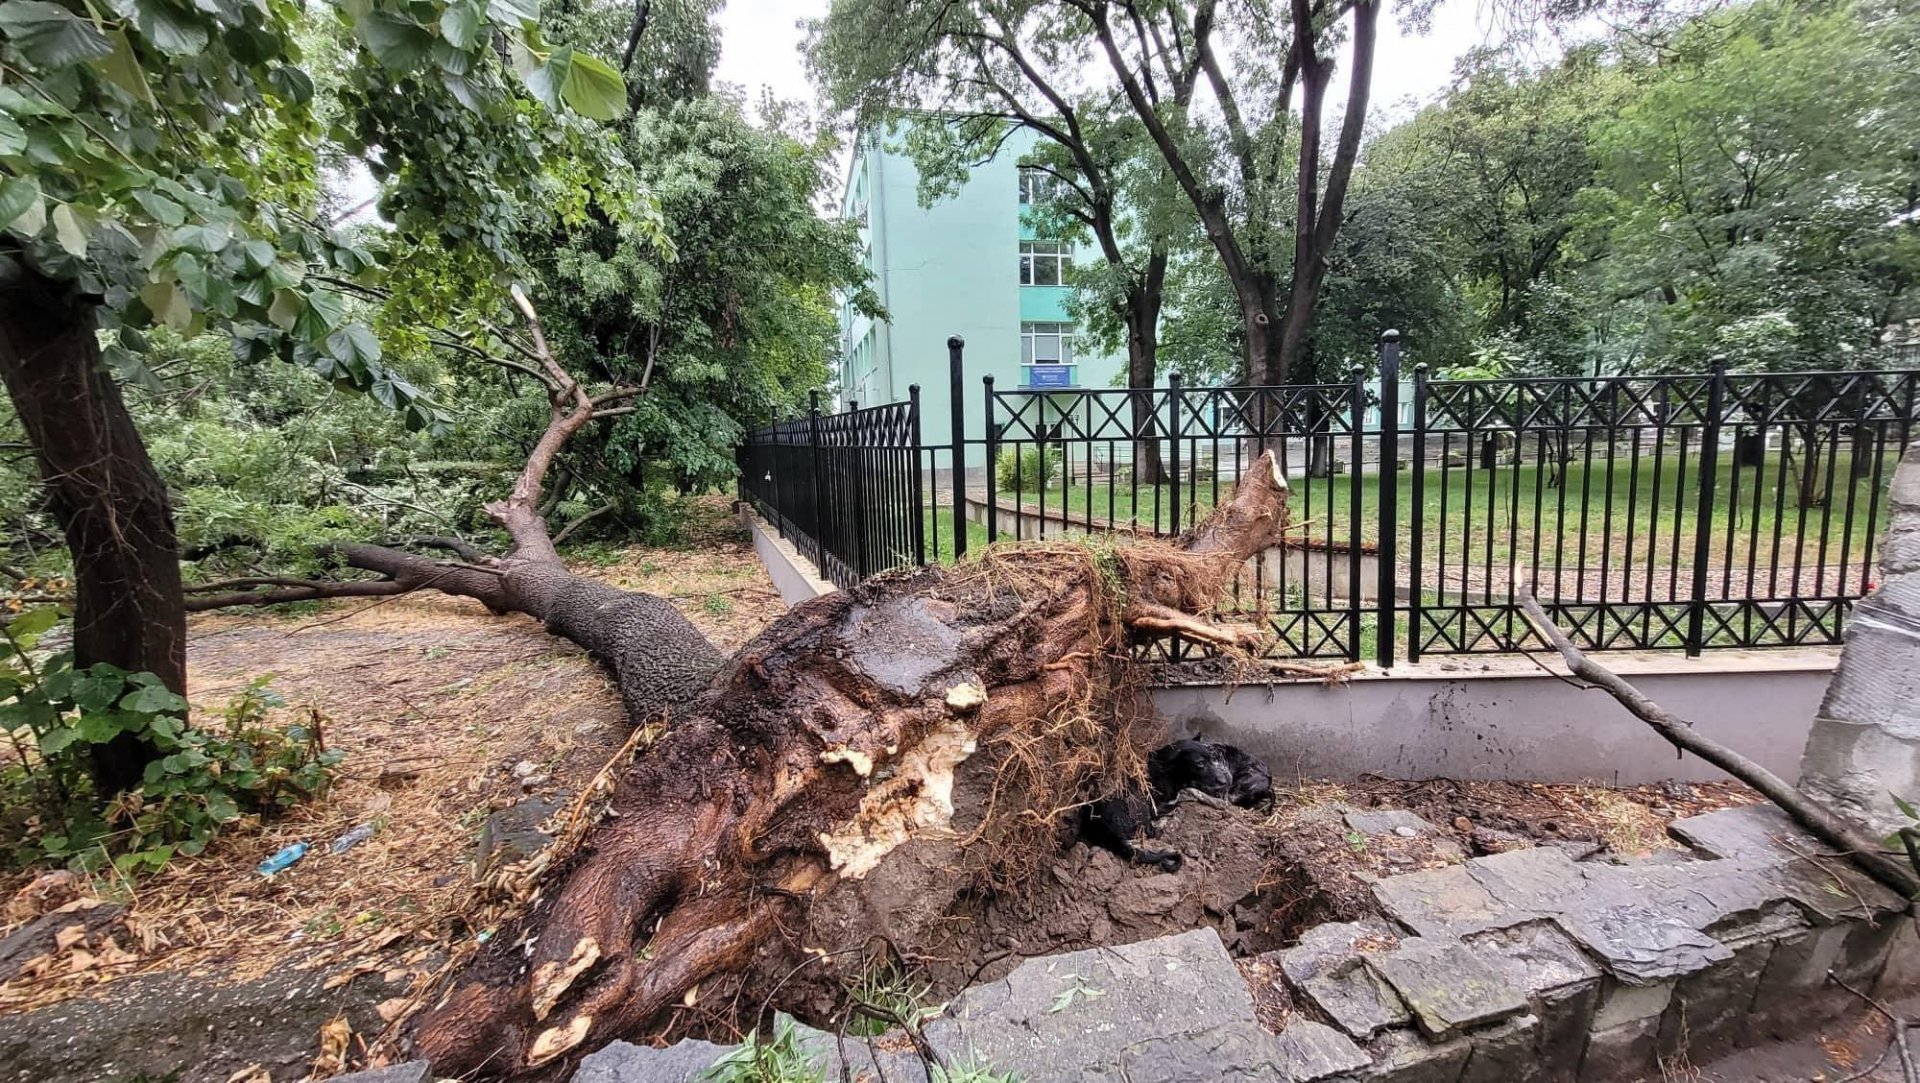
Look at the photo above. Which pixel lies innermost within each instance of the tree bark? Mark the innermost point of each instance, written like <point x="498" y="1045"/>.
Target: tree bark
<point x="822" y="747"/>
<point x="1143" y="348"/>
<point x="104" y="492"/>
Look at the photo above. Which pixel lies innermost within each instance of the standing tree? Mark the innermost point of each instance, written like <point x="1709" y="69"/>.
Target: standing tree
<point x="158" y="167"/>
<point x="960" y="79"/>
<point x="1272" y="227"/>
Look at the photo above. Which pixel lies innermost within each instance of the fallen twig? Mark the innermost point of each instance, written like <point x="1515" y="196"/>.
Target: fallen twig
<point x="1896" y="1041"/>
<point x="1679" y="732"/>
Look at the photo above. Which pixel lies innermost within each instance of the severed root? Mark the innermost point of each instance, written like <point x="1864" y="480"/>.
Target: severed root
<point x="1163" y="619"/>
<point x="1334" y="674"/>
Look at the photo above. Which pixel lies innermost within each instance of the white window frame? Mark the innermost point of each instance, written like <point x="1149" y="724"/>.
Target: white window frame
<point x="1042" y="260"/>
<point x="1056" y="338"/>
<point x="1038" y="187"/>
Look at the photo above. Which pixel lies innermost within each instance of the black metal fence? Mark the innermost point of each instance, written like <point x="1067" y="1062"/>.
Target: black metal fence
<point x="1655" y="512"/>
<point x="844" y="488"/>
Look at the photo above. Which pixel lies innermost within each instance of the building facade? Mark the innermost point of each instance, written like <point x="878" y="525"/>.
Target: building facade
<point x="971" y="265"/>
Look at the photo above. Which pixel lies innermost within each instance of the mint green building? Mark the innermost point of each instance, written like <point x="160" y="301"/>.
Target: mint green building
<point x="968" y="266"/>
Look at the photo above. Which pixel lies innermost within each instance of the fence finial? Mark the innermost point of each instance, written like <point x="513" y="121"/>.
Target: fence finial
<point x="954" y="342"/>
<point x="1390" y="335"/>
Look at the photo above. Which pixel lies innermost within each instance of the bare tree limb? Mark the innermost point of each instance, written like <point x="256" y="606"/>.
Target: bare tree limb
<point x="1829" y="828"/>
<point x="567" y="531"/>
<point x="367" y="588"/>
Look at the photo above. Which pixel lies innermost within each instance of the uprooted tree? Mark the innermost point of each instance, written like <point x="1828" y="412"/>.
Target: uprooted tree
<point x="781" y="778"/>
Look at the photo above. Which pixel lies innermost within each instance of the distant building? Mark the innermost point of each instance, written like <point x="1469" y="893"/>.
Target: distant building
<point x="970" y="266"/>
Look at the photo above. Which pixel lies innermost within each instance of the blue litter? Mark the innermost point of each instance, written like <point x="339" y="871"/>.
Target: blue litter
<point x="283" y="859"/>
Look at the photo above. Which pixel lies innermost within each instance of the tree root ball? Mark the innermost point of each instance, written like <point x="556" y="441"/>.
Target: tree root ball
<point x="967" y="711"/>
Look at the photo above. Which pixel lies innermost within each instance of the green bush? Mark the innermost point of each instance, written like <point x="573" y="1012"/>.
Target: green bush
<point x="55" y="715"/>
<point x="1026" y="469"/>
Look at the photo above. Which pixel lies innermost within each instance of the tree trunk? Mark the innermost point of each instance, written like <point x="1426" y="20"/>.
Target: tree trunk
<point x="1143" y="345"/>
<point x="103" y="490"/>
<point x="822" y="749"/>
<point x="1812" y="487"/>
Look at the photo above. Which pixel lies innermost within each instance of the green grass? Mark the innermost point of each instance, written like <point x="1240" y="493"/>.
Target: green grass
<point x="1487" y="518"/>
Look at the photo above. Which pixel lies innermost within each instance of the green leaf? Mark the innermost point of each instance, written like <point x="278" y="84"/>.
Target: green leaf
<point x="50" y="35"/>
<point x="153" y="699"/>
<point x="511" y="13"/>
<point x="399" y="44"/>
<point x="18" y="196"/>
<point x="221" y="806"/>
<point x="29" y="626"/>
<point x="168" y="30"/>
<point x="54" y="740"/>
<point x="356" y="345"/>
<point x="1906" y="807"/>
<point x="291" y="83"/>
<point x="319" y="316"/>
<point x="164" y="211"/>
<point x="460" y="25"/>
<point x="69" y="231"/>
<point x="285" y="310"/>
<point x="593" y="89"/>
<point x="168" y="303"/>
<point x="13" y="138"/>
<point x="96" y="691"/>
<point x="123" y="70"/>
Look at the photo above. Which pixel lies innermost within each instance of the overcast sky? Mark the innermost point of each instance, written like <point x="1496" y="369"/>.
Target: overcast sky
<point x="760" y="46"/>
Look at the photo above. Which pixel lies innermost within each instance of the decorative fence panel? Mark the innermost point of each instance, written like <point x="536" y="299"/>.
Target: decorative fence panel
<point x="1684" y="512"/>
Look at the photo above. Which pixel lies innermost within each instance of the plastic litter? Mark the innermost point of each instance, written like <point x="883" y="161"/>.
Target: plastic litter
<point x="352" y="838"/>
<point x="283" y="859"/>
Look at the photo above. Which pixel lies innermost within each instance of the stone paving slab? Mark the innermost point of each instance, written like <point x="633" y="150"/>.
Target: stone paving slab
<point x="1641" y="945"/>
<point x="413" y="1071"/>
<point x="1170" y="1009"/>
<point x="623" y="1062"/>
<point x="1312" y="1051"/>
<point x="1445" y="902"/>
<point x="1447" y="985"/>
<point x="1326" y="969"/>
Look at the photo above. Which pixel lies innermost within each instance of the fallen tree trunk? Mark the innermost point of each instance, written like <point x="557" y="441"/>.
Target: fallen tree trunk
<point x="797" y="767"/>
<point x="829" y="741"/>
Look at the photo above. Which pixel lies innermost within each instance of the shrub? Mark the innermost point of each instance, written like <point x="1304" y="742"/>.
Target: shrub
<point x="55" y="715"/>
<point x="1027" y="468"/>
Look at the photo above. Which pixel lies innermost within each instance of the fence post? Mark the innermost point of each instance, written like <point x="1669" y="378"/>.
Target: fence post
<point x="956" y="393"/>
<point x="1417" y="518"/>
<point x="1173" y="453"/>
<point x="992" y="432"/>
<point x="1389" y="511"/>
<point x="919" y="495"/>
<point x="1703" y="516"/>
<point x="817" y="529"/>
<point x="1357" y="418"/>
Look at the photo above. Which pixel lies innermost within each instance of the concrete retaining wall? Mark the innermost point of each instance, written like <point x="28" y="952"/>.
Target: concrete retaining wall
<point x="1500" y="718"/>
<point x="793" y="575"/>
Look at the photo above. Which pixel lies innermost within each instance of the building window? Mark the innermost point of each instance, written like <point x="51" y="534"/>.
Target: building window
<point x="1037" y="186"/>
<point x="1045" y="263"/>
<point x="1046" y="343"/>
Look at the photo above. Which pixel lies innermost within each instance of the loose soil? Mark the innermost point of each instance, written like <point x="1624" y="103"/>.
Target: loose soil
<point x="447" y="713"/>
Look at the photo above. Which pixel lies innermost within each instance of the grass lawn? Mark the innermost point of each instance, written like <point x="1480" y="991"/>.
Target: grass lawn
<point x="1626" y="513"/>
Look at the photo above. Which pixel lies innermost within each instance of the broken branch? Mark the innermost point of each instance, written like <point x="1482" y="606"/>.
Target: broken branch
<point x="1679" y="732"/>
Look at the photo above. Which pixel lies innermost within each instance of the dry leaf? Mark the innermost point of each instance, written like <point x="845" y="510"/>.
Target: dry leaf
<point x="334" y="1036"/>
<point x="252" y="1073"/>
<point x="692" y="997"/>
<point x="81" y="962"/>
<point x="68" y="937"/>
<point x="347" y="975"/>
<point x="393" y="1009"/>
